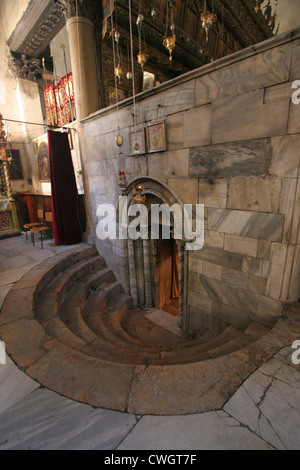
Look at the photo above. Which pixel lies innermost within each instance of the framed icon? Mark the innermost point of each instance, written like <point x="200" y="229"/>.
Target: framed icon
<point x="156" y="137"/>
<point x="137" y="142"/>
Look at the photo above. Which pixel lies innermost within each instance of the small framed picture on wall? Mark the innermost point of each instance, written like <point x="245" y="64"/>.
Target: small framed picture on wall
<point x="156" y="137"/>
<point x="137" y="142"/>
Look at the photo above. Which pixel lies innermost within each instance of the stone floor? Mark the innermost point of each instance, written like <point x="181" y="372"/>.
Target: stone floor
<point x="264" y="413"/>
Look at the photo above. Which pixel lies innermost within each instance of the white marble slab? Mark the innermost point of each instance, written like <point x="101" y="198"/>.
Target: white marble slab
<point x="14" y="385"/>
<point x="47" y="421"/>
<point x="268" y="403"/>
<point x="207" y="431"/>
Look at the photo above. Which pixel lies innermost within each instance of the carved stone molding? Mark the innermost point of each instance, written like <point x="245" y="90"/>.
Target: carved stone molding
<point x="85" y="8"/>
<point x="40" y="23"/>
<point x="25" y="67"/>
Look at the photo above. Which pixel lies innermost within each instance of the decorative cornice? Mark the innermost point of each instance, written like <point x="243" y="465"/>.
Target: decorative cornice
<point x="39" y="24"/>
<point x="85" y="8"/>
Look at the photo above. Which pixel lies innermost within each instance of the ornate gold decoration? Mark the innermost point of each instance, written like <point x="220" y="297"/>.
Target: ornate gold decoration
<point x="208" y="19"/>
<point x="139" y="198"/>
<point x="169" y="42"/>
<point x="142" y="58"/>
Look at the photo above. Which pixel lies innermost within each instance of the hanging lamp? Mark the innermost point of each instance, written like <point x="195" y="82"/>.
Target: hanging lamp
<point x="142" y="56"/>
<point x="208" y="19"/>
<point x="169" y="40"/>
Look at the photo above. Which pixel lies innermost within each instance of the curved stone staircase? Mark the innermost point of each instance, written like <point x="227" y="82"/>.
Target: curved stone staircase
<point x="70" y="326"/>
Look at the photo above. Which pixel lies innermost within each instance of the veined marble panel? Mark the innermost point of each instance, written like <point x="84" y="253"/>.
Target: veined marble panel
<point x="294" y="119"/>
<point x="233" y="296"/>
<point x="246" y="224"/>
<point x="255" y="72"/>
<point x="173" y="100"/>
<point x="246" y="117"/>
<point x="295" y="68"/>
<point x="285" y="159"/>
<point x="244" y="158"/>
<point x="280" y="92"/>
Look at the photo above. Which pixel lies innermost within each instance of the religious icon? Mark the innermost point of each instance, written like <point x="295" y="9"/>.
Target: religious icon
<point x="156" y="137"/>
<point x="43" y="162"/>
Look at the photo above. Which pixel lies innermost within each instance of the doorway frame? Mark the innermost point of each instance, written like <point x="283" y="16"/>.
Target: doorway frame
<point x="155" y="187"/>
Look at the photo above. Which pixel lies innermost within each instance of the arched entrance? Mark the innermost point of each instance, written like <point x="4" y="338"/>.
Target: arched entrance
<point x="157" y="267"/>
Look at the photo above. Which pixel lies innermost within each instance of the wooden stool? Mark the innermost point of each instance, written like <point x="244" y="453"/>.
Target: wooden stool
<point x="43" y="229"/>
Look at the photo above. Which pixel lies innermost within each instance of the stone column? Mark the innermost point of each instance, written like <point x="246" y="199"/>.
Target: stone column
<point x="147" y="274"/>
<point x="132" y="274"/>
<point x="81" y="32"/>
<point x="84" y="65"/>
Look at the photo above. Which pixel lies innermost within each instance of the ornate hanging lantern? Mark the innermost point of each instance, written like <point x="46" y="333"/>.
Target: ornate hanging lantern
<point x="208" y="19"/>
<point x="169" y="40"/>
<point x="119" y="71"/>
<point x="142" y="58"/>
<point x="139" y="198"/>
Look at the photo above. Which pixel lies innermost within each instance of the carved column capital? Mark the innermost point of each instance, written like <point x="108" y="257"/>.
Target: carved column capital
<point x="84" y="8"/>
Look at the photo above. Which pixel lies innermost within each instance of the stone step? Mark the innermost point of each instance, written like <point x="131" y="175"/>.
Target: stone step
<point x="56" y="264"/>
<point x="195" y="351"/>
<point x="108" y="351"/>
<point x="48" y="303"/>
<point x="104" y="320"/>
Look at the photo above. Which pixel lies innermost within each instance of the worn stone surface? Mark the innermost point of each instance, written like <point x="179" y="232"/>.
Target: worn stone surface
<point x="280" y="92"/>
<point x="83" y="378"/>
<point x="247" y="224"/>
<point x="247" y="117"/>
<point x="214" y="431"/>
<point x="186" y="189"/>
<point x="167" y="165"/>
<point x="268" y="403"/>
<point x="230" y="159"/>
<point x="295" y="67"/>
<point x="213" y="193"/>
<point x="19" y="335"/>
<point x="258" y="71"/>
<point x="254" y="194"/>
<point x="242" y="245"/>
<point x="197" y="126"/>
<point x="285" y="156"/>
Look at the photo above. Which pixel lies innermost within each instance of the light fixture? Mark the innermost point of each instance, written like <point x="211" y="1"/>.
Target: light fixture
<point x="139" y="198"/>
<point x="122" y="181"/>
<point x="118" y="67"/>
<point x="208" y="19"/>
<point x="169" y="40"/>
<point x="142" y="56"/>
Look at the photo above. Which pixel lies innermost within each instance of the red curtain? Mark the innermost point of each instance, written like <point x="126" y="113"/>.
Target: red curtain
<point x="66" y="225"/>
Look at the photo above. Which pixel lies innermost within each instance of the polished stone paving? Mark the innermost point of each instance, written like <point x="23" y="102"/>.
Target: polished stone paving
<point x="264" y="413"/>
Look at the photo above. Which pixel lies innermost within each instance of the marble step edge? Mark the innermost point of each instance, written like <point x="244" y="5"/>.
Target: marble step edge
<point x="20" y="300"/>
<point x="154" y="389"/>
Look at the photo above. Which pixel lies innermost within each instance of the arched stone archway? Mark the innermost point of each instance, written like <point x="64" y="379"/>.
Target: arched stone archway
<point x="143" y="255"/>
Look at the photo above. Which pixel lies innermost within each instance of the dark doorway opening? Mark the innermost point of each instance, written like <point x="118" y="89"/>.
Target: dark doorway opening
<point x="167" y="287"/>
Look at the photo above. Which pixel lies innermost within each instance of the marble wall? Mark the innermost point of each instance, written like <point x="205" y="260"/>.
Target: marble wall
<point x="233" y="144"/>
